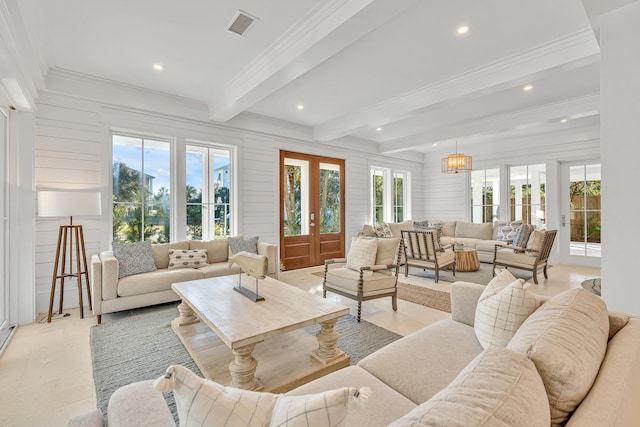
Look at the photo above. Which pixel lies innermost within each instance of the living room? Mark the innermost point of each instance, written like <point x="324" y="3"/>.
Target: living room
<point x="61" y="135"/>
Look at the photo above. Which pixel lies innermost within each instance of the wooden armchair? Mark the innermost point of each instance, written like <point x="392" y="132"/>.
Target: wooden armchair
<point x="369" y="282"/>
<point x="420" y="250"/>
<point x="525" y="259"/>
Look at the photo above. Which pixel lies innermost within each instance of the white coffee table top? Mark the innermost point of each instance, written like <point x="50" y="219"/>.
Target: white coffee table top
<point x="238" y="321"/>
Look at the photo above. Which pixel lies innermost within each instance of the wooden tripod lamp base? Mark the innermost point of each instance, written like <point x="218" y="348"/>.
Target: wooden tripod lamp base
<point x="70" y="240"/>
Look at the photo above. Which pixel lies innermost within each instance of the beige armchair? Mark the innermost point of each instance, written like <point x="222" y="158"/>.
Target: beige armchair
<point x="420" y="250"/>
<point x="531" y="258"/>
<point x="370" y="281"/>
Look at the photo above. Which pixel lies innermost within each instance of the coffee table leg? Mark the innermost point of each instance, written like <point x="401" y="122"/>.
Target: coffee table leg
<point x="187" y="316"/>
<point x="327" y="342"/>
<point x="243" y="369"/>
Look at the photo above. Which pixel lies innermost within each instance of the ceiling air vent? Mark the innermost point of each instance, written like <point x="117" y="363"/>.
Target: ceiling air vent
<point x="241" y="23"/>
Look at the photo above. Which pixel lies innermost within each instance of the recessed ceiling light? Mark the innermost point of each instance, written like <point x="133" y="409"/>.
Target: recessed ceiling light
<point x="158" y="67"/>
<point x="435" y="145"/>
<point x="300" y="107"/>
<point x="379" y="129"/>
<point x="563" y="121"/>
<point x="463" y="29"/>
<point x="527" y="87"/>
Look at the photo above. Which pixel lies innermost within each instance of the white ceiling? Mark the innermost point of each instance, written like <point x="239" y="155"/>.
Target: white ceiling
<point x="355" y="65"/>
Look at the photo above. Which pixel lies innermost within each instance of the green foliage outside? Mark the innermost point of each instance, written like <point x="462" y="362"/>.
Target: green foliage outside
<point x="292" y="201"/>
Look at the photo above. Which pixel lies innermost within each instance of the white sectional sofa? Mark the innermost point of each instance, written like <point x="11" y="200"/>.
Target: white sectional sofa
<point x="440" y="375"/>
<point x="110" y="294"/>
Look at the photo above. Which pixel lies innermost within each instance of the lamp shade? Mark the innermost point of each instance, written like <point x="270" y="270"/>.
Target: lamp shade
<point x="68" y="203"/>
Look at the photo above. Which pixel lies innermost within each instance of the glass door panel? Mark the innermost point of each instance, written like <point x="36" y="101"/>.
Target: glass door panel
<point x="329" y="198"/>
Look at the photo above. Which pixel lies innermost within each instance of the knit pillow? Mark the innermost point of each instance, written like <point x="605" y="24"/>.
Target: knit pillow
<point x="237" y="244"/>
<point x="187" y="258"/>
<point x="362" y="252"/>
<point x="502" y="309"/>
<point x="133" y="258"/>
<point x="204" y="402"/>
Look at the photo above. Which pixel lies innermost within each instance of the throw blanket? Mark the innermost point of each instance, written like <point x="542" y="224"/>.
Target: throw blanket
<point x="253" y="265"/>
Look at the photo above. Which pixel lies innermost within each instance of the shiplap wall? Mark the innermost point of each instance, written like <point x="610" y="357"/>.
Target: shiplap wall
<point x="73" y="151"/>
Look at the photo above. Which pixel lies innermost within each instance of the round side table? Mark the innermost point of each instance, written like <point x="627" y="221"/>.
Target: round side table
<point x="467" y="260"/>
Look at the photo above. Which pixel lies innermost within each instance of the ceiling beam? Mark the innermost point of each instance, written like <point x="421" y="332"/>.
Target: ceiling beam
<point x="572" y="50"/>
<point x="583" y="106"/>
<point x="324" y="31"/>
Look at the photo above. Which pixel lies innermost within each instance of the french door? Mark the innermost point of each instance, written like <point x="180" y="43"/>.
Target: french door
<point x="580" y="213"/>
<point x="311" y="209"/>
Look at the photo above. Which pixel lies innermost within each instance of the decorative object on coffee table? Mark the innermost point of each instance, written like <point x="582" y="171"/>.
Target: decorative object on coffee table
<point x="69" y="204"/>
<point x="253" y="265"/>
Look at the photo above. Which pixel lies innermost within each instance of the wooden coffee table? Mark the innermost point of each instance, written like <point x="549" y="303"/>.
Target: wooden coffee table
<point x="258" y="345"/>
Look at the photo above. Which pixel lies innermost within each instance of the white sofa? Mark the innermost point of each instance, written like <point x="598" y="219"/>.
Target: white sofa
<point x="110" y="294"/>
<point x="414" y="375"/>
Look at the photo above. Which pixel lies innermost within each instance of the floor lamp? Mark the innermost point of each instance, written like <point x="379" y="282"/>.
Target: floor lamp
<point x="70" y="238"/>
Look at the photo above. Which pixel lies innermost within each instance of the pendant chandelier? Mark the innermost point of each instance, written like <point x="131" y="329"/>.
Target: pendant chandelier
<point x="455" y="163"/>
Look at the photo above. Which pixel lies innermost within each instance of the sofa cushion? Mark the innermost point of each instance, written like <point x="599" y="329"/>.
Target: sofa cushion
<point x="447" y="345"/>
<point x="362" y="252"/>
<point x="346" y="279"/>
<point x="204" y="402"/>
<point x="507" y="230"/>
<point x="161" y="252"/>
<point x="503" y="306"/>
<point x="488" y="245"/>
<point x="500" y="387"/>
<point x="187" y="258"/>
<point x="397" y="227"/>
<point x="384" y="406"/>
<point x="449" y="228"/>
<point x="133" y="258"/>
<point x="159" y="280"/>
<point x="519" y="259"/>
<point x="387" y="251"/>
<point x="369" y="231"/>
<point x="219" y="269"/>
<point x="474" y="231"/>
<point x="566" y="338"/>
<point x="217" y="250"/>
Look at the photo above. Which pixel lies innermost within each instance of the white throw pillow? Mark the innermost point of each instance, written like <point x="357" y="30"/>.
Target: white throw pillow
<point x="498" y="388"/>
<point x="566" y="338"/>
<point x="204" y="402"/>
<point x="362" y="252"/>
<point x="535" y="240"/>
<point x="387" y="251"/>
<point x="503" y="306"/>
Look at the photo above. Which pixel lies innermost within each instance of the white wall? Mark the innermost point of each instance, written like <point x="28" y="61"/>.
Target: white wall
<point x="73" y="151"/>
<point x="620" y="135"/>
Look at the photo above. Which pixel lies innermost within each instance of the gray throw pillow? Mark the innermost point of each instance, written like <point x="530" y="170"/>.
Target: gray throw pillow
<point x="522" y="236"/>
<point x="133" y="258"/>
<point x="243" y="245"/>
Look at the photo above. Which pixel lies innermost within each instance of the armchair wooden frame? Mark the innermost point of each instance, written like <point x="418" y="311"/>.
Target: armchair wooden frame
<point x="360" y="295"/>
<point x="541" y="260"/>
<point x="419" y="251"/>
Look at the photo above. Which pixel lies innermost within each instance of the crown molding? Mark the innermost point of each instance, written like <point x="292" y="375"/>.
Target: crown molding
<point x="579" y="107"/>
<point x="304" y="46"/>
<point x="572" y="51"/>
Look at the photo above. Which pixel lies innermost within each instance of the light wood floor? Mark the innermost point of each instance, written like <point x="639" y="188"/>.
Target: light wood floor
<point x="46" y="377"/>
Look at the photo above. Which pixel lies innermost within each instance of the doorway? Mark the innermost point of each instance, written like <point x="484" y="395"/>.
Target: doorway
<point x="580" y="242"/>
<point x="5" y="327"/>
<point x="311" y="209"/>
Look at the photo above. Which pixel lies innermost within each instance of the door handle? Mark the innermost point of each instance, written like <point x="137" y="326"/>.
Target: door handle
<point x="564" y="220"/>
<point x="313" y="224"/>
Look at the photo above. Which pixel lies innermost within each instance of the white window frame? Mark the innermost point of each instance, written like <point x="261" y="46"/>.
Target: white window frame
<point x="496" y="189"/>
<point x="538" y="217"/>
<point x="388" y="193"/>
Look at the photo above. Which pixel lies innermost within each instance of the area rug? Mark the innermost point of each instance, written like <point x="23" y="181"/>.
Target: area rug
<point x="142" y="346"/>
<point x="593" y="285"/>
<point x="482" y="276"/>
<point x="433" y="298"/>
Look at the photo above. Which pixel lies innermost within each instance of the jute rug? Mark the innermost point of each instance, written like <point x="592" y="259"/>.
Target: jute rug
<point x="440" y="300"/>
<point x="593" y="285"/>
<point x="142" y="346"/>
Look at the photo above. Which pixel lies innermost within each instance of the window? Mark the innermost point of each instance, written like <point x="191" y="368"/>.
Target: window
<point x="389" y="197"/>
<point x="485" y="195"/>
<point x="208" y="203"/>
<point x="584" y="192"/>
<point x="141" y="189"/>
<point x="527" y="193"/>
